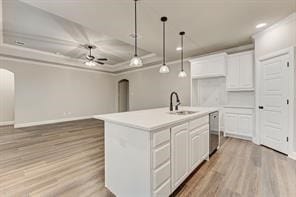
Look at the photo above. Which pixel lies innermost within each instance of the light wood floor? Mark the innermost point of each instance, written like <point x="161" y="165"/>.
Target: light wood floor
<point x="67" y="159"/>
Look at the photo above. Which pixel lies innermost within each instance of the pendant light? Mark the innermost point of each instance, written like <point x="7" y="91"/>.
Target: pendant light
<point x="164" y="68"/>
<point x="136" y="61"/>
<point x="182" y="73"/>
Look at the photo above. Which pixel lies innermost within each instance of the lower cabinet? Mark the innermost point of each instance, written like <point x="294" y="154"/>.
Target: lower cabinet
<point x="198" y="146"/>
<point x="179" y="154"/>
<point x="189" y="148"/>
<point x="239" y="122"/>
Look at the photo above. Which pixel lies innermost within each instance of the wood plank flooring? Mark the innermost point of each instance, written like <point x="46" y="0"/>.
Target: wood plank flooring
<point x="67" y="159"/>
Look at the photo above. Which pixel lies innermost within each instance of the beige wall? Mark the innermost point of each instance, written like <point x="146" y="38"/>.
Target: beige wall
<point x="44" y="93"/>
<point x="6" y="97"/>
<point x="150" y="89"/>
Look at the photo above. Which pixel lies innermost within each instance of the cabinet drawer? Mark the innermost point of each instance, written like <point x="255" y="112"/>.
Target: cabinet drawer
<point x="161" y="155"/>
<point x="164" y="190"/>
<point x="198" y="122"/>
<point x="161" y="137"/>
<point x="161" y="175"/>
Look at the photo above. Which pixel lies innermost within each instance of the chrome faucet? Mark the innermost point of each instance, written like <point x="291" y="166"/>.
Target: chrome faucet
<point x="171" y="101"/>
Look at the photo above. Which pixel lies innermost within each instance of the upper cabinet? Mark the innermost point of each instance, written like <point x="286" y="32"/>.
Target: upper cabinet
<point x="240" y="72"/>
<point x="209" y="66"/>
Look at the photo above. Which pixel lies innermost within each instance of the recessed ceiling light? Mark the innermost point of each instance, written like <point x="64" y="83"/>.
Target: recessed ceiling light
<point x="19" y="43"/>
<point x="178" y="48"/>
<point x="260" y="25"/>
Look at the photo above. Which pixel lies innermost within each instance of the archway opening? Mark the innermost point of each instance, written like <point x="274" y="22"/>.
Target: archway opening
<point x="123" y="95"/>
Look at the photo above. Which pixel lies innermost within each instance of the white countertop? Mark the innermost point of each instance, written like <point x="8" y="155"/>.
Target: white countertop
<point x="153" y="119"/>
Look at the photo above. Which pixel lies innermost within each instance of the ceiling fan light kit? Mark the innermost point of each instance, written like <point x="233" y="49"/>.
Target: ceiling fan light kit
<point x="91" y="60"/>
<point x="136" y="61"/>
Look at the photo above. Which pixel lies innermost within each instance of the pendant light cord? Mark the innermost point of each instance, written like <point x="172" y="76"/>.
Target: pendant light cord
<point x="182" y="67"/>
<point x="182" y="50"/>
<point x="136" y="32"/>
<point x="163" y="50"/>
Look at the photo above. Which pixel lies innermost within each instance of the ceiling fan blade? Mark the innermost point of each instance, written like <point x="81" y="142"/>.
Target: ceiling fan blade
<point x="102" y="59"/>
<point x="102" y="63"/>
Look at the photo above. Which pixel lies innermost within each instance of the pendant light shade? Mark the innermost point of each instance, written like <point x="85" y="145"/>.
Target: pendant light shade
<point x="182" y="73"/>
<point x="136" y="61"/>
<point x="164" y="68"/>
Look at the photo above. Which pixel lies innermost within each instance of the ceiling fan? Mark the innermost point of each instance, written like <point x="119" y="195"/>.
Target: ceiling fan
<point x="92" y="60"/>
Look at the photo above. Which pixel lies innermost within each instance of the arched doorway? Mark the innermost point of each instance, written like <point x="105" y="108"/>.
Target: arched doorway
<point x="7" y="93"/>
<point x="123" y="95"/>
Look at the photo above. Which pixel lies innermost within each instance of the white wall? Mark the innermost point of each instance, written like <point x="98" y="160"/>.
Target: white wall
<point x="44" y="93"/>
<point x="280" y="36"/>
<point x="150" y="89"/>
<point x="6" y="97"/>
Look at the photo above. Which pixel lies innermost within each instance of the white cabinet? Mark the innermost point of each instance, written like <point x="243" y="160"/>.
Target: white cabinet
<point x="209" y="66"/>
<point x="189" y="148"/>
<point x="179" y="142"/>
<point x="239" y="122"/>
<point x="195" y="151"/>
<point x="240" y="72"/>
<point x="198" y="146"/>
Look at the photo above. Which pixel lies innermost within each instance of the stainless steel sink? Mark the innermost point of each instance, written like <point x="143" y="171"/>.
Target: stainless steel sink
<point x="183" y="112"/>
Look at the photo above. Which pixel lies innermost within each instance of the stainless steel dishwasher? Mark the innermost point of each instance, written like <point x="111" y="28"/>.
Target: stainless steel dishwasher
<point x="214" y="132"/>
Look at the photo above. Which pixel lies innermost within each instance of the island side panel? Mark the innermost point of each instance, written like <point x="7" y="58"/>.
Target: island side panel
<point x="127" y="161"/>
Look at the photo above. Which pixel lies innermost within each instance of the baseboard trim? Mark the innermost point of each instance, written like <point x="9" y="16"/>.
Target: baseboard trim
<point x="238" y="136"/>
<point x="292" y="155"/>
<point x="6" y="123"/>
<point x="30" y="124"/>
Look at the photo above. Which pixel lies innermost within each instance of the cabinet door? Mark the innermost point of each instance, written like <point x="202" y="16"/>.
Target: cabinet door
<point x="245" y="125"/>
<point x="194" y="150"/>
<point x="233" y="72"/>
<point x="231" y="123"/>
<point x="179" y="151"/>
<point x="204" y="145"/>
<point x="246" y="71"/>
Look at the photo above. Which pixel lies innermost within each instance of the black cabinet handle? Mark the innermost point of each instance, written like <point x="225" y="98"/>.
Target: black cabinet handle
<point x="261" y="107"/>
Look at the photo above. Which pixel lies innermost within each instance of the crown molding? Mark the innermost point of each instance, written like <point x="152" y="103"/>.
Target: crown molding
<point x="243" y="48"/>
<point x="7" y="54"/>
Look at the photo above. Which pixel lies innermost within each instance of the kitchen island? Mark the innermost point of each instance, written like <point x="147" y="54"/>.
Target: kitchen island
<point x="151" y="152"/>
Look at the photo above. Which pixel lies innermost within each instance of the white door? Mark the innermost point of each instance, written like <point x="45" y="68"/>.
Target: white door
<point x="194" y="150"/>
<point x="179" y="151"/>
<point x="204" y="136"/>
<point x="273" y="103"/>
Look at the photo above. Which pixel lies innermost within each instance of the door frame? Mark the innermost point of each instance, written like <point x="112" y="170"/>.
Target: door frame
<point x="291" y="92"/>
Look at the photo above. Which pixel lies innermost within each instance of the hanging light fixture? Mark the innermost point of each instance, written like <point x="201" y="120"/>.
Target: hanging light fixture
<point x="164" y="68"/>
<point x="182" y="73"/>
<point x="136" y="61"/>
